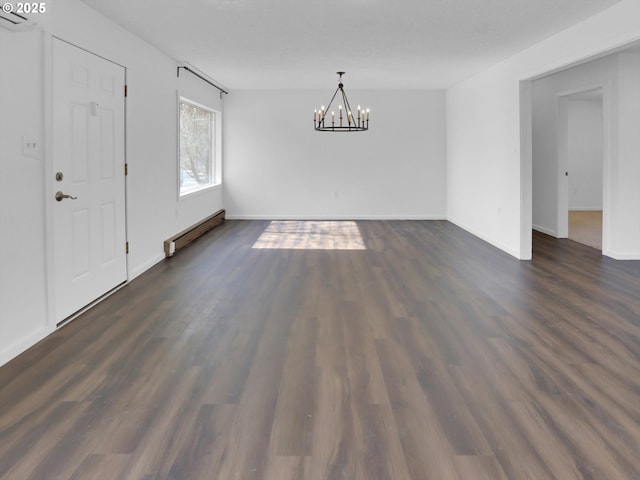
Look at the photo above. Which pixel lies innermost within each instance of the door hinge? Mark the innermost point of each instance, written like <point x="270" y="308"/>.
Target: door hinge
<point x="126" y="169"/>
<point x="126" y="90"/>
<point x="127" y="247"/>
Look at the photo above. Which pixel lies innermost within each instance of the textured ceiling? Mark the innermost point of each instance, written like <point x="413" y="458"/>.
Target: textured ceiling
<point x="412" y="44"/>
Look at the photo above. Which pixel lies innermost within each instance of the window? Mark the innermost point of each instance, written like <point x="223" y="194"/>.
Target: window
<point x="198" y="147"/>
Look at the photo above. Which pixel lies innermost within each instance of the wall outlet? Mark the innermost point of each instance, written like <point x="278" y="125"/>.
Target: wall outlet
<point x="31" y="147"/>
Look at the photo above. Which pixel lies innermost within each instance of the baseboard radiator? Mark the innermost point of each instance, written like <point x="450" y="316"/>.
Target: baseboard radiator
<point x="185" y="237"/>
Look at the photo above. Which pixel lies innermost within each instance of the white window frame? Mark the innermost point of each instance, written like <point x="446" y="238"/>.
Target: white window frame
<point x="216" y="150"/>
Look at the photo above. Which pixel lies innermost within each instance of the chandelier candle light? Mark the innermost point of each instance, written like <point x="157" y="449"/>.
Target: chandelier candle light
<point x="358" y="123"/>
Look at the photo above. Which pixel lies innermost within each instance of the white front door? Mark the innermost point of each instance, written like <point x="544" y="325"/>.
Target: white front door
<point x="89" y="235"/>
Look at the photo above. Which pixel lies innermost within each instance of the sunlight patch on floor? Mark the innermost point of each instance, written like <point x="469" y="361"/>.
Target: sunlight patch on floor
<point x="311" y="235"/>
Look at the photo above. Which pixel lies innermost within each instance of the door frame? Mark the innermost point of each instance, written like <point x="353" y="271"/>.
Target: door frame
<point x="48" y="40"/>
<point x="562" y="102"/>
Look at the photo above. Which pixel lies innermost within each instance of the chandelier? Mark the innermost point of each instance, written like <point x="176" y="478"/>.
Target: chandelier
<point x="346" y="120"/>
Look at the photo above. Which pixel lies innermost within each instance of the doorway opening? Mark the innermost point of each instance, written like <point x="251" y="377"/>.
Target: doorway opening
<point x="610" y="79"/>
<point x="582" y="134"/>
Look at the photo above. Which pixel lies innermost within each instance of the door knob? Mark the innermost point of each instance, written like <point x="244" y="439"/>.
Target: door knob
<point x="60" y="196"/>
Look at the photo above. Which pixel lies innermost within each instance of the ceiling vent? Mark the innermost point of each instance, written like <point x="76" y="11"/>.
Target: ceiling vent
<point x="17" y="22"/>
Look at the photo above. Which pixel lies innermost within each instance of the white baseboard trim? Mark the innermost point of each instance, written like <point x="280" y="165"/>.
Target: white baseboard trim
<point x="336" y="217"/>
<point x="24" y="344"/>
<point x="136" y="272"/>
<point x="585" y="209"/>
<point x="487" y="239"/>
<point x="546" y="231"/>
<point x="622" y="255"/>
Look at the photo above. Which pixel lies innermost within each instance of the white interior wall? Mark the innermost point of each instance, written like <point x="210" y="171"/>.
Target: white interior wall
<point x="278" y="166"/>
<point x="625" y="167"/>
<point x="585" y="154"/>
<point x="485" y="192"/>
<point x="153" y="210"/>
<point x="23" y="299"/>
<point x="483" y="158"/>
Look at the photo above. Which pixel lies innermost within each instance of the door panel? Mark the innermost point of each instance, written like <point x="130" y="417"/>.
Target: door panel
<point x="79" y="143"/>
<point x="88" y="149"/>
<point x="80" y="242"/>
<point x="109" y="233"/>
<point x="108" y="159"/>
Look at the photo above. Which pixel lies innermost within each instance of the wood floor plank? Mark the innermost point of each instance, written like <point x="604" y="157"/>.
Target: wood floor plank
<point x="553" y="450"/>
<point x="283" y="467"/>
<point x="479" y="468"/>
<point x="292" y="433"/>
<point x="247" y="450"/>
<point x="49" y="454"/>
<point x="429" y="355"/>
<point x="104" y="467"/>
<point x="363" y="364"/>
<point x="200" y="454"/>
<point x="33" y="404"/>
<point x="508" y="440"/>
<point x="426" y="446"/>
<point x="333" y="453"/>
<point x="379" y="449"/>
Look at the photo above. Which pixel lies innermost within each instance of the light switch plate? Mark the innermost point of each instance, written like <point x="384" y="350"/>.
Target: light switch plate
<point x="31" y="147"/>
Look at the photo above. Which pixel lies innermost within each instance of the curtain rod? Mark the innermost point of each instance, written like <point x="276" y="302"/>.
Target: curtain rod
<point x="193" y="72"/>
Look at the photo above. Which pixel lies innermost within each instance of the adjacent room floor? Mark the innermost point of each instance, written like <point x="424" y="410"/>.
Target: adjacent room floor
<point x="364" y="350"/>
<point x="585" y="226"/>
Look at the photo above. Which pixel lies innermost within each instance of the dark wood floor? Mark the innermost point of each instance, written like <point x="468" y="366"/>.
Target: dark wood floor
<point x="430" y="355"/>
